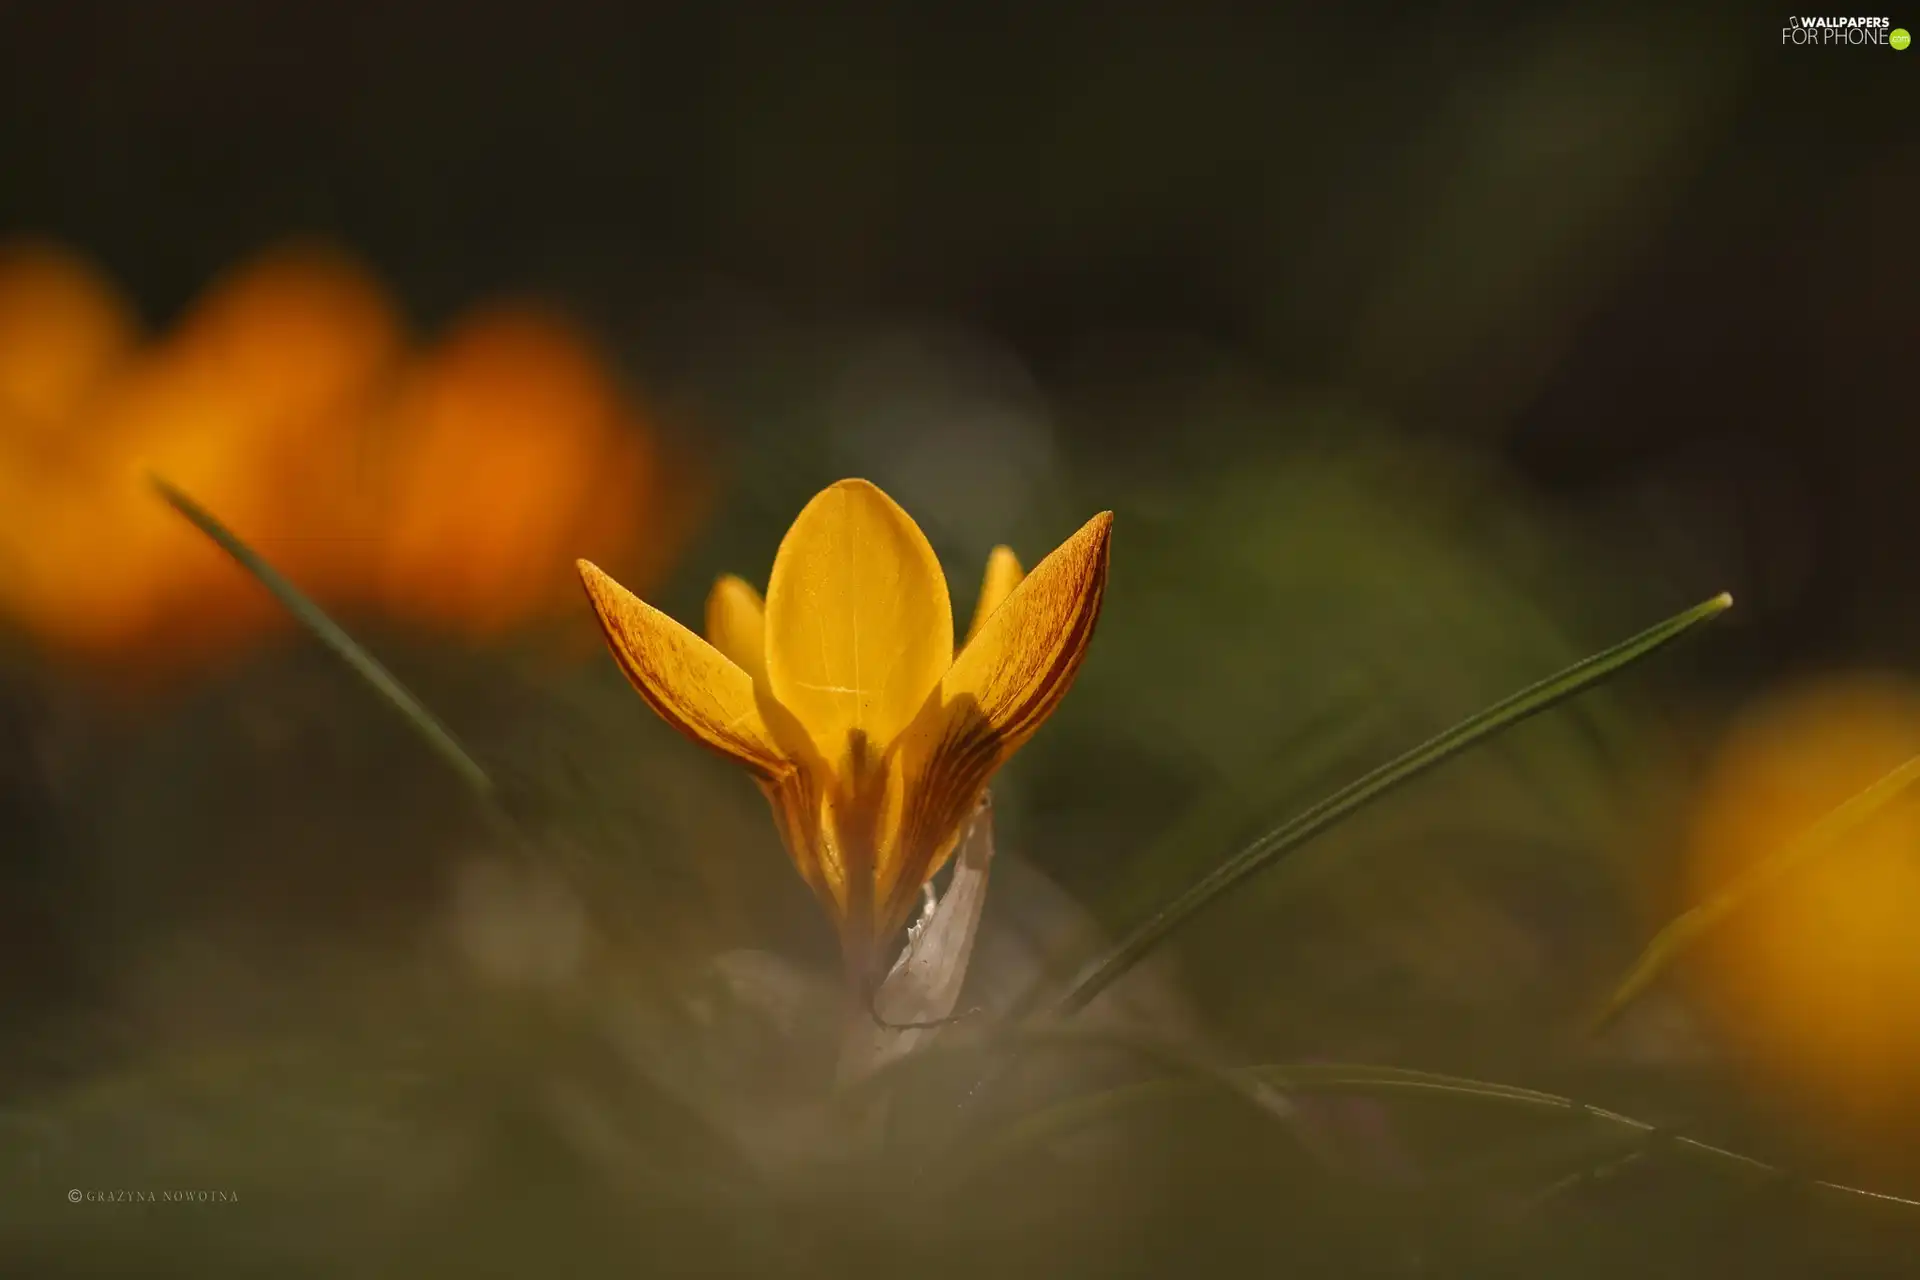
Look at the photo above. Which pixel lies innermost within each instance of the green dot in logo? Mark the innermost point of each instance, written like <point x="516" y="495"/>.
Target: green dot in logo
<point x="1899" y="38"/>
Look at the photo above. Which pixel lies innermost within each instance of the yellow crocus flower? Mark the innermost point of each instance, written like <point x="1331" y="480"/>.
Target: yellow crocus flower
<point x="842" y="695"/>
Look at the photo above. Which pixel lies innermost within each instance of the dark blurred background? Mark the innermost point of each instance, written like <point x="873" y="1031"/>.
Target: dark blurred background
<point x="1650" y="252"/>
<point x="1419" y="351"/>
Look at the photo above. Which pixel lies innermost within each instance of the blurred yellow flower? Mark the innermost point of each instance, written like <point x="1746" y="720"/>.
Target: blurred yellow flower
<point x="843" y="696"/>
<point x="1817" y="979"/>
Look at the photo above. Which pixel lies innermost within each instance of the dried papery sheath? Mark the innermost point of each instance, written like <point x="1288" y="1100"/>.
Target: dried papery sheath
<point x="924" y="985"/>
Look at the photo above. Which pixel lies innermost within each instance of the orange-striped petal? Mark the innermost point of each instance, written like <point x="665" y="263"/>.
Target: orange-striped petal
<point x="691" y="684"/>
<point x="1001" y="688"/>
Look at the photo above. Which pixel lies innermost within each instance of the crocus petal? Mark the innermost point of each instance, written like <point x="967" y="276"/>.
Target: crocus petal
<point x="859" y="627"/>
<point x="689" y="682"/>
<point x="1003" y="575"/>
<point x="797" y="802"/>
<point x="1019" y="665"/>
<point x="737" y="625"/>
<point x="999" y="690"/>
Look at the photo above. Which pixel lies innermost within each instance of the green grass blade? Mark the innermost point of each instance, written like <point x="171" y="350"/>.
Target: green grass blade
<point x="1691" y="925"/>
<point x="1373" y="1081"/>
<point x="1380" y="1082"/>
<point x="1263" y="852"/>
<point x="436" y="735"/>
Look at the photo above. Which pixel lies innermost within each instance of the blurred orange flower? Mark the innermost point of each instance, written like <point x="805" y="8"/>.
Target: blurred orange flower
<point x="450" y="489"/>
<point x="64" y="332"/>
<point x="249" y="405"/>
<point x="1817" y="979"/>
<point x="506" y="448"/>
<point x="63" y="329"/>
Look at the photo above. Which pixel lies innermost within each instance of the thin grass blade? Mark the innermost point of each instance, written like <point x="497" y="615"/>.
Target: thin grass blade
<point x="436" y="735"/>
<point x="1693" y="924"/>
<point x="1376" y="1081"/>
<point x="1640" y="1137"/>
<point x="1262" y="853"/>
